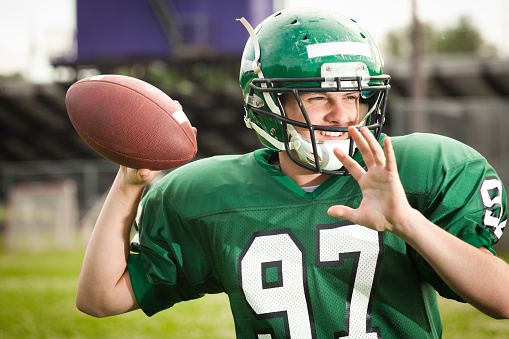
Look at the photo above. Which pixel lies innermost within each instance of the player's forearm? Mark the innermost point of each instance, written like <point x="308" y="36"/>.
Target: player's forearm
<point x="104" y="286"/>
<point x="480" y="278"/>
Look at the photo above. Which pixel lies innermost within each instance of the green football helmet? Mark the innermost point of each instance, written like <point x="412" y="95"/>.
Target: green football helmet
<point x="309" y="50"/>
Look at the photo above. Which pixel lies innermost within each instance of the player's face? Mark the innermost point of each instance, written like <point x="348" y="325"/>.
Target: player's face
<point x="332" y="109"/>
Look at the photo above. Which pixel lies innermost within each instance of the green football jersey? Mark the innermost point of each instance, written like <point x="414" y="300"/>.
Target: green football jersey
<point x="235" y="224"/>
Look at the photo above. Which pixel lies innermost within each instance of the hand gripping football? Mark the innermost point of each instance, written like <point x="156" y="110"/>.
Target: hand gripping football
<point x="130" y="122"/>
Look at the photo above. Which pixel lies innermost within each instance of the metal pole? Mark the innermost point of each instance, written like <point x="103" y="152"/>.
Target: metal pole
<point x="418" y="81"/>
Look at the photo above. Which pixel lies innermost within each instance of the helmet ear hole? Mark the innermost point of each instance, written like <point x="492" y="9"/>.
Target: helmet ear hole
<point x="367" y="94"/>
<point x="371" y="99"/>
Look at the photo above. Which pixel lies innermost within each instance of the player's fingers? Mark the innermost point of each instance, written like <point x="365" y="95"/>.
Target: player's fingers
<point x="351" y="165"/>
<point x="362" y="145"/>
<point x="343" y="212"/>
<point x="376" y="149"/>
<point x="390" y="164"/>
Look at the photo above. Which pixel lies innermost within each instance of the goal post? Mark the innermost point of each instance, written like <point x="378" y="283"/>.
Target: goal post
<point x="41" y="216"/>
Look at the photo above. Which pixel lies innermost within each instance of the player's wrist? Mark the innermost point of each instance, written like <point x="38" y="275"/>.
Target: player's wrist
<point x="406" y="226"/>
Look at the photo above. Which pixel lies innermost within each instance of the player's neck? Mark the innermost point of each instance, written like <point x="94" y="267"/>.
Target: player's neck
<point x="302" y="176"/>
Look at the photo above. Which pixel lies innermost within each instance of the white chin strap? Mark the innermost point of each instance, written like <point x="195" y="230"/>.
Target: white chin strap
<point x="304" y="149"/>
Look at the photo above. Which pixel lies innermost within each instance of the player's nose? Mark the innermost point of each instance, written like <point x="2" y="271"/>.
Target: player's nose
<point x="339" y="113"/>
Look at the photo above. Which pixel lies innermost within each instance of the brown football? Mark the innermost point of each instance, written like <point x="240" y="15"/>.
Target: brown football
<point x="130" y="122"/>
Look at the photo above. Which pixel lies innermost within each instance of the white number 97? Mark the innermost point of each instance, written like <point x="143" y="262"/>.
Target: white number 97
<point x="285" y="292"/>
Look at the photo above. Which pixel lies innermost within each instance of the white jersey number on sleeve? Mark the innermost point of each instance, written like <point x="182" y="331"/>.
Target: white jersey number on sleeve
<point x="491" y="199"/>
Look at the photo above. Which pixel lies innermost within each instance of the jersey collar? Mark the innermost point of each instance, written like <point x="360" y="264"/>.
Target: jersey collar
<point x="262" y="157"/>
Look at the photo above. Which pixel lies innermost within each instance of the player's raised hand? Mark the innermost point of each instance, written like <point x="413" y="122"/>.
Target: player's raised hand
<point x="384" y="205"/>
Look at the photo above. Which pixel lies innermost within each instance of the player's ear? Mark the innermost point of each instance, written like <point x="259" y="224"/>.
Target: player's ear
<point x="363" y="110"/>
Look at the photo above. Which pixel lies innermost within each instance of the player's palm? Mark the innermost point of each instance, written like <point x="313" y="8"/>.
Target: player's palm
<point x="384" y="204"/>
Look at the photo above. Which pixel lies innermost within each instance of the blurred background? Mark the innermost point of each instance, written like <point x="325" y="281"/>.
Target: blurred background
<point x="449" y="62"/>
<point x="449" y="67"/>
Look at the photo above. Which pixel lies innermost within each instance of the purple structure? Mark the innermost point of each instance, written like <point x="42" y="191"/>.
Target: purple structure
<point x="163" y="29"/>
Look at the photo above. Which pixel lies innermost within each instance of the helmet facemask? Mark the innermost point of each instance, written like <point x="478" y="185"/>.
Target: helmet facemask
<point x="310" y="153"/>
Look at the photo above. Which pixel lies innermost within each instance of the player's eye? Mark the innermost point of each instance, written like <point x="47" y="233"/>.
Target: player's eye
<point x="352" y="97"/>
<point x="317" y="97"/>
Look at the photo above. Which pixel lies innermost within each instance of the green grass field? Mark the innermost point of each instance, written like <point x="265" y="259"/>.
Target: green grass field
<point x="37" y="294"/>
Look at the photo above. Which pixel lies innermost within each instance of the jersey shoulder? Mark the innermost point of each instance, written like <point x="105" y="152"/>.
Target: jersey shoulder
<point x="193" y="188"/>
<point x="433" y="149"/>
<point x="423" y="159"/>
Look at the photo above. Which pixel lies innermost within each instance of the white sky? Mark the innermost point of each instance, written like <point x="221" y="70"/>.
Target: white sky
<point x="491" y="17"/>
<point x="32" y="30"/>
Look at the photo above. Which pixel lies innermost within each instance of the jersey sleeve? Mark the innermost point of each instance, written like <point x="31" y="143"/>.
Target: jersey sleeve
<point x="168" y="264"/>
<point x="467" y="200"/>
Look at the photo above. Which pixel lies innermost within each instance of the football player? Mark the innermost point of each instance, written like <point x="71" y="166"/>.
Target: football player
<point x="332" y="230"/>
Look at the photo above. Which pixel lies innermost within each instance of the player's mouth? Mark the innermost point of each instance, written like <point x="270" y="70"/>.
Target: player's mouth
<point x="331" y="134"/>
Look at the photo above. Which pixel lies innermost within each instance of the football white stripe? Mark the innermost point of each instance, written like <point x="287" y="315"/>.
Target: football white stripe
<point x="97" y="77"/>
<point x="180" y="116"/>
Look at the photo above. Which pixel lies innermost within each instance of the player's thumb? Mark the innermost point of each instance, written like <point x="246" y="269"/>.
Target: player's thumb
<point x="144" y="173"/>
<point x="340" y="211"/>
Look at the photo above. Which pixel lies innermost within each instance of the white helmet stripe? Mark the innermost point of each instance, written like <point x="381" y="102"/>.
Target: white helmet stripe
<point x="338" y="48"/>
